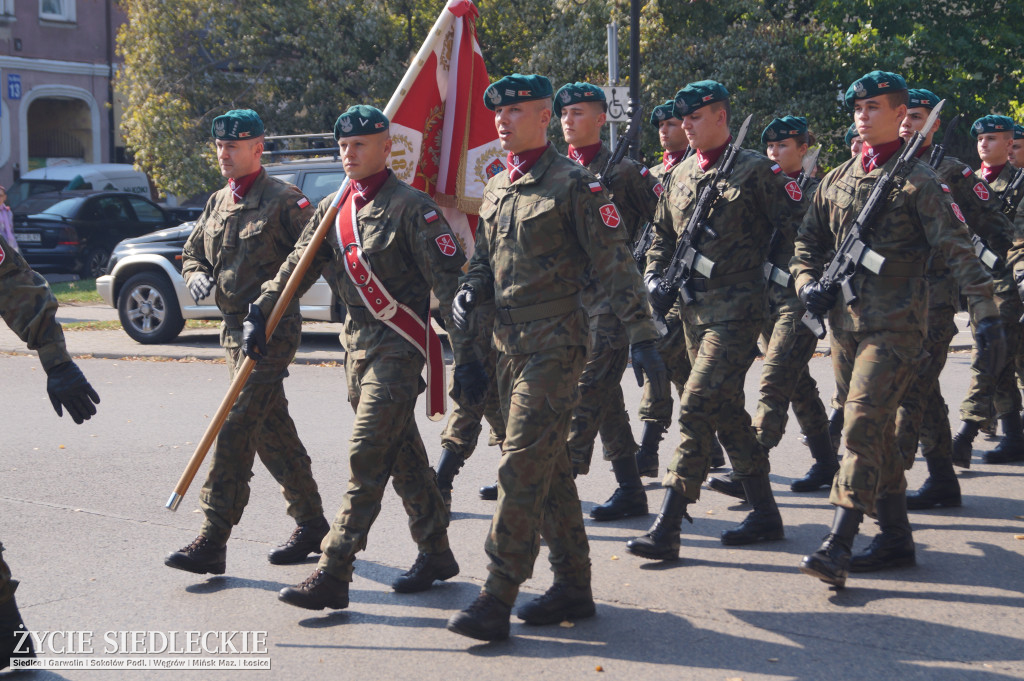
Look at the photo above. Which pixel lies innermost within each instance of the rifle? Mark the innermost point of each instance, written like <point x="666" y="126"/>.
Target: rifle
<point x="772" y="272"/>
<point x="629" y="138"/>
<point x="687" y="259"/>
<point x="1012" y="195"/>
<point x="853" y="252"/>
<point x="939" y="150"/>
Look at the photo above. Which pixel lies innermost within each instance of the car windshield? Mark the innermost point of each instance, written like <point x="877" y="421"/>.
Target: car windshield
<point x="22" y="191"/>
<point x="37" y="204"/>
<point x="66" y="208"/>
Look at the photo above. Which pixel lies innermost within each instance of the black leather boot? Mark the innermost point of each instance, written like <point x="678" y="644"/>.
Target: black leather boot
<point x="836" y="418"/>
<point x="831" y="562"/>
<point x="202" y="556"/>
<point x="448" y="466"/>
<point x="427" y="568"/>
<point x="940" y="489"/>
<point x="629" y="499"/>
<point x="305" y="540"/>
<point x="647" y="454"/>
<point x="319" y="591"/>
<point x="717" y="453"/>
<point x="1011" y="447"/>
<point x="826" y="463"/>
<point x="764" y="523"/>
<point x="490" y="492"/>
<point x="725" y="484"/>
<point x="15" y="641"/>
<point x="893" y="547"/>
<point x="963" y="443"/>
<point x="662" y="541"/>
<point x="486" y="619"/>
<point x="559" y="603"/>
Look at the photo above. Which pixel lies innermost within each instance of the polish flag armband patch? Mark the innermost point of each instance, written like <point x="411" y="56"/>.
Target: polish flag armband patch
<point x="594" y="187"/>
<point x="302" y="203"/>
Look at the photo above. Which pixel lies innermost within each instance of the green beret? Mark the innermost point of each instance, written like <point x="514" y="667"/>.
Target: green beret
<point x="1018" y="132"/>
<point x="574" y="93"/>
<point x="851" y="132"/>
<point x="784" y="128"/>
<point x="920" y="98"/>
<point x="696" y="95"/>
<point x="991" y="124"/>
<point x="515" y="89"/>
<point x="874" y="84"/>
<point x="360" y="120"/>
<point x="237" y="124"/>
<point x="663" y="112"/>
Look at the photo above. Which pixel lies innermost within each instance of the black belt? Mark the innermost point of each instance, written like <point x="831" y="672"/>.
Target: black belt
<point x="703" y="284"/>
<point x="902" y="269"/>
<point x="531" y="313"/>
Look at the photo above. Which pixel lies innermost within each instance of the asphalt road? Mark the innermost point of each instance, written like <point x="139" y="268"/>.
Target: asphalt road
<point x="85" y="530"/>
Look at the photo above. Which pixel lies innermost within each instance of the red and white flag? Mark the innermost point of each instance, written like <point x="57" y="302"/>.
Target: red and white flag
<point x="443" y="139"/>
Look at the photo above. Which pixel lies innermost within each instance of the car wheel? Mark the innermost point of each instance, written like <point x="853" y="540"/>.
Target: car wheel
<point x="94" y="264"/>
<point x="149" y="309"/>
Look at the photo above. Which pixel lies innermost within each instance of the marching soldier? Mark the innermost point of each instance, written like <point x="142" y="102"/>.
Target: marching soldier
<point x="1017" y="148"/>
<point x="546" y="227"/>
<point x="395" y="247"/>
<point x="582" y="110"/>
<point x="29" y="308"/>
<point x="242" y="237"/>
<point x="722" y="321"/>
<point x="877" y="341"/>
<point x="853" y="140"/>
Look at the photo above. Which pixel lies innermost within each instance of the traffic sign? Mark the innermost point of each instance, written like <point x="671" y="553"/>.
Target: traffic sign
<point x="618" y="103"/>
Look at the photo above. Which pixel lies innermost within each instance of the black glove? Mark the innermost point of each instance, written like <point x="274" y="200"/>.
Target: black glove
<point x="462" y="306"/>
<point x="991" y="340"/>
<point x="817" y="299"/>
<point x="470" y="380"/>
<point x="646" y="360"/>
<point x="662" y="297"/>
<point x="254" y="334"/>
<point x="66" y="385"/>
<point x="199" y="285"/>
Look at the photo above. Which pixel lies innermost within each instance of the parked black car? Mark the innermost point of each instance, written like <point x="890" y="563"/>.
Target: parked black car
<point x="79" y="231"/>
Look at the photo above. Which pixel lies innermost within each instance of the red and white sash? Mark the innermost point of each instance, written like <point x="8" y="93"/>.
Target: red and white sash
<point x="383" y="307"/>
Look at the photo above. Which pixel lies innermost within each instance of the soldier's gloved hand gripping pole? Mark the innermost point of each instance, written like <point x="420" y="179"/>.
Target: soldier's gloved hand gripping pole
<point x="437" y="33"/>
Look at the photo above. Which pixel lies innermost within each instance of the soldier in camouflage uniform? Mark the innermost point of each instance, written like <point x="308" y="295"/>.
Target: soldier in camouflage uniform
<point x="547" y="227"/>
<point x="1017" y="147"/>
<point x="722" y="322"/>
<point x="29" y="308"/>
<point x="581" y="108"/>
<point x="242" y="237"/>
<point x="994" y="396"/>
<point x="399" y="235"/>
<point x="923" y="414"/>
<point x="877" y="342"/>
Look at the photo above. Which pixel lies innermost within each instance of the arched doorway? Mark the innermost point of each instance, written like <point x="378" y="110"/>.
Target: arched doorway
<point x="60" y="129"/>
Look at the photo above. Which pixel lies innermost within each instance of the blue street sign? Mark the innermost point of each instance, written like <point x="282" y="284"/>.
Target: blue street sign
<point x="13" y="86"/>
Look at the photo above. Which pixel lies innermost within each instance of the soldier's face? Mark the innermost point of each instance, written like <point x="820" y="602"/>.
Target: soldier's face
<point x="581" y="123"/>
<point x="914" y="121"/>
<point x="238" y="158"/>
<point x="671" y="135"/>
<point x="787" y="153"/>
<point x="364" y="155"/>
<point x="522" y="126"/>
<point x="707" y="127"/>
<point x="855" y="145"/>
<point x="994" y="147"/>
<point x="1017" y="153"/>
<point x="877" y="120"/>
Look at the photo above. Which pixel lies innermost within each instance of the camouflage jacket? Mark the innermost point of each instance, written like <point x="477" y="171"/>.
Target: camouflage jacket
<point x="29" y="308"/>
<point x="410" y="248"/>
<point x="917" y="218"/>
<point x="780" y="253"/>
<point x="242" y="245"/>
<point x="539" y="240"/>
<point x="755" y="201"/>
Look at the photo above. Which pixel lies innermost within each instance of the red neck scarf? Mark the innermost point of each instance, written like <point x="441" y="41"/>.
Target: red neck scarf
<point x="584" y="155"/>
<point x="990" y="173"/>
<point x="520" y="164"/>
<point x="367" y="188"/>
<point x="709" y="157"/>
<point x="241" y="186"/>
<point x="670" y="159"/>
<point x="876" y="157"/>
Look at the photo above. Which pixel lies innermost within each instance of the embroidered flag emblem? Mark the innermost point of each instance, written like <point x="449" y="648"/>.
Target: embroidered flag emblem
<point x="793" y="189"/>
<point x="430" y="217"/>
<point x="3" y="255"/>
<point x="776" y="168"/>
<point x="982" y="191"/>
<point x="644" y="171"/>
<point x="967" y="172"/>
<point x="303" y="202"/>
<point x="595" y="187"/>
<point x="945" y="187"/>
<point x="446" y="244"/>
<point x="610" y="215"/>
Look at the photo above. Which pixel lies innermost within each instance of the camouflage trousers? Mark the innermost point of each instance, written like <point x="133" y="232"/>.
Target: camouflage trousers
<point x="602" y="407"/>
<point x="923" y="415"/>
<point x="7" y="585"/>
<point x="672" y="348"/>
<point x="785" y="379"/>
<point x="385" y="443"/>
<point x="877" y="367"/>
<point x="464" y="425"/>
<point x="537" y="496"/>
<point x="712" y="400"/>
<point x="993" y="396"/>
<point x="258" y="423"/>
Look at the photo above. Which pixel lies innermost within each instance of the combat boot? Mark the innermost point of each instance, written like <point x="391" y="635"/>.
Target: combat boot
<point x="15" y="641"/>
<point x="764" y="523"/>
<point x="728" y="485"/>
<point x="305" y="540"/>
<point x="940" y="489"/>
<point x="427" y="568"/>
<point x="963" y="443"/>
<point x="831" y="562"/>
<point x="662" y="541"/>
<point x="486" y="619"/>
<point x="717" y="452"/>
<point x="647" y="454"/>
<point x="836" y="418"/>
<point x="319" y="591"/>
<point x="824" y="468"/>
<point x="202" y="556"/>
<point x="559" y="603"/>
<point x="1011" y="448"/>
<point x="448" y="467"/>
<point x="489" y="492"/>
<point x="893" y="547"/>
<point x="629" y="499"/>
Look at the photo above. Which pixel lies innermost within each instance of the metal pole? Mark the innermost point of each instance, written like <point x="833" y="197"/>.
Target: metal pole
<point x="613" y="75"/>
<point x="634" y="66"/>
